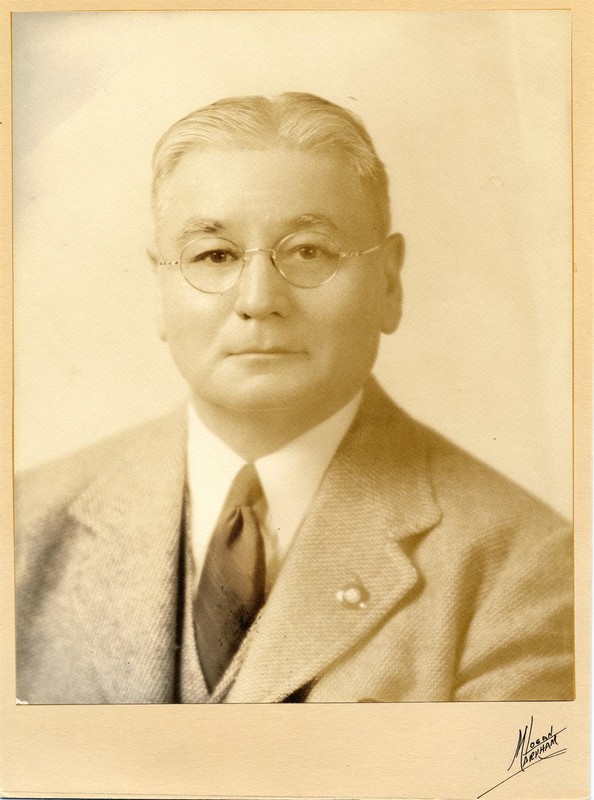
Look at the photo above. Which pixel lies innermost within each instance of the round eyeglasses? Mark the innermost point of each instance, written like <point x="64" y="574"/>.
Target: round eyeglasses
<point x="305" y="259"/>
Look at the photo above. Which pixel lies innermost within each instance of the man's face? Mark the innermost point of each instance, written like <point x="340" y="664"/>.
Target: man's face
<point x="265" y="345"/>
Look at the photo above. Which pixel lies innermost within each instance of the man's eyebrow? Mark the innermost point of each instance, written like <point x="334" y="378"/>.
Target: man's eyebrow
<point x="197" y="225"/>
<point x="312" y="221"/>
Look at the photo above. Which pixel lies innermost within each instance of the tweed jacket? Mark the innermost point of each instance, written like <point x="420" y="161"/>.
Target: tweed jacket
<point x="419" y="574"/>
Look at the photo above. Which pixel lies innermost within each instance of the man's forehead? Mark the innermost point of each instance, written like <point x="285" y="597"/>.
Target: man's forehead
<point x="210" y="189"/>
<point x="212" y="166"/>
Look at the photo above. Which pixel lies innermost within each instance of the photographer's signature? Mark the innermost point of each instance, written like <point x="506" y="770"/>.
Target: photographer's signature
<point x="530" y="751"/>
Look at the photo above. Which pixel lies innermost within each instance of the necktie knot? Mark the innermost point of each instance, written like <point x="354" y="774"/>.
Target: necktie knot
<point x="245" y="490"/>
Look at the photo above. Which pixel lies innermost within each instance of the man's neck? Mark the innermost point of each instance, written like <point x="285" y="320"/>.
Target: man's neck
<point x="254" y="434"/>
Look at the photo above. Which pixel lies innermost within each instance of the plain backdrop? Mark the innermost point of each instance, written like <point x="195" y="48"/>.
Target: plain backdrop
<point x="470" y="112"/>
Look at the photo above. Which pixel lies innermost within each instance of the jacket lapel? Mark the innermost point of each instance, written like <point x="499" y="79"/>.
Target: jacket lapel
<point x="347" y="569"/>
<point x="128" y="525"/>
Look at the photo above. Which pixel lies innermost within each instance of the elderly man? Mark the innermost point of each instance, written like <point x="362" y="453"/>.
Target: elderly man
<point x="291" y="535"/>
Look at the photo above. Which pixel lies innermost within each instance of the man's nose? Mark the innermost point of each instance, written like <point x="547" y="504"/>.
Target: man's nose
<point x="262" y="290"/>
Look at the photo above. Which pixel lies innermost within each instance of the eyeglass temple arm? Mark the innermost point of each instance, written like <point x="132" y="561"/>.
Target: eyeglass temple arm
<point x="362" y="252"/>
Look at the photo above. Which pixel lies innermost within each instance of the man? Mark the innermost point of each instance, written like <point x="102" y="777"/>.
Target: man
<point x="358" y="556"/>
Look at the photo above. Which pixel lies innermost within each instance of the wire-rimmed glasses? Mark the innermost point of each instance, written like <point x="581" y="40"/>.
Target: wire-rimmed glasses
<point x="305" y="259"/>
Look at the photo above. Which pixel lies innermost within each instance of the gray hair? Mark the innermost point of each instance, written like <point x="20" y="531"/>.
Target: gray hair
<point x="300" y="120"/>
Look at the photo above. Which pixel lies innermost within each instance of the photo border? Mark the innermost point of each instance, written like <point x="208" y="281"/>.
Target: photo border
<point x="400" y="750"/>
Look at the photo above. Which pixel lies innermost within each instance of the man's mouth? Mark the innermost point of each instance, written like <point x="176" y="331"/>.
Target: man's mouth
<point x="264" y="350"/>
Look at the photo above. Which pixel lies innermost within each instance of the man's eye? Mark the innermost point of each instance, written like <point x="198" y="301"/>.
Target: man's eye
<point x="216" y="257"/>
<point x="308" y="252"/>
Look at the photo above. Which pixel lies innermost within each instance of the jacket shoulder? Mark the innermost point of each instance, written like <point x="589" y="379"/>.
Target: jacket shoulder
<point x="464" y="483"/>
<point x="43" y="492"/>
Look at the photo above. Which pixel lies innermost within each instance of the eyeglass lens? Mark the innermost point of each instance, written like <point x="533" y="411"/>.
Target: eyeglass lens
<point x="305" y="259"/>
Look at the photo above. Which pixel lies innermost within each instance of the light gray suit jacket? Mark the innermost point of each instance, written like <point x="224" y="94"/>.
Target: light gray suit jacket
<point x="466" y="580"/>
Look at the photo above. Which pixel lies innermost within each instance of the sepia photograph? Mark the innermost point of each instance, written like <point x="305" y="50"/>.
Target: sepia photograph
<point x="293" y="344"/>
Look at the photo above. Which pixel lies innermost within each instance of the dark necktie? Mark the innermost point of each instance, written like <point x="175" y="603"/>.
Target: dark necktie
<point x="232" y="583"/>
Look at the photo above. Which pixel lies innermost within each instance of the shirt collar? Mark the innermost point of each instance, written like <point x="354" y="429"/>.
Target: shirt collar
<point x="212" y="466"/>
<point x="290" y="476"/>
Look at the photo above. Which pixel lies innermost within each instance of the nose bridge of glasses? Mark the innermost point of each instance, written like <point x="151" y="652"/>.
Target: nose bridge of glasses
<point x="271" y="251"/>
<point x="247" y="254"/>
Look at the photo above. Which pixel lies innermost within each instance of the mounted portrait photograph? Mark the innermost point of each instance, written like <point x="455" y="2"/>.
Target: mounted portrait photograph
<point x="293" y="357"/>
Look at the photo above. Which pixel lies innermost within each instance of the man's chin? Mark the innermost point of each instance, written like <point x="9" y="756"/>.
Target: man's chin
<point x="260" y="395"/>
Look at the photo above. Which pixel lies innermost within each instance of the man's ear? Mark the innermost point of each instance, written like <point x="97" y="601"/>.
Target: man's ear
<point x="393" y="258"/>
<point x="151" y="252"/>
<point x="153" y="258"/>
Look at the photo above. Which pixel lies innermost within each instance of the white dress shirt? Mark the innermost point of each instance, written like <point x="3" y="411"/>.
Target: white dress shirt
<point x="290" y="478"/>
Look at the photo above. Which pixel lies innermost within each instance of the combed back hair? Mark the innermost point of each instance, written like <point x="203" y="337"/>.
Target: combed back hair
<point x="293" y="119"/>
